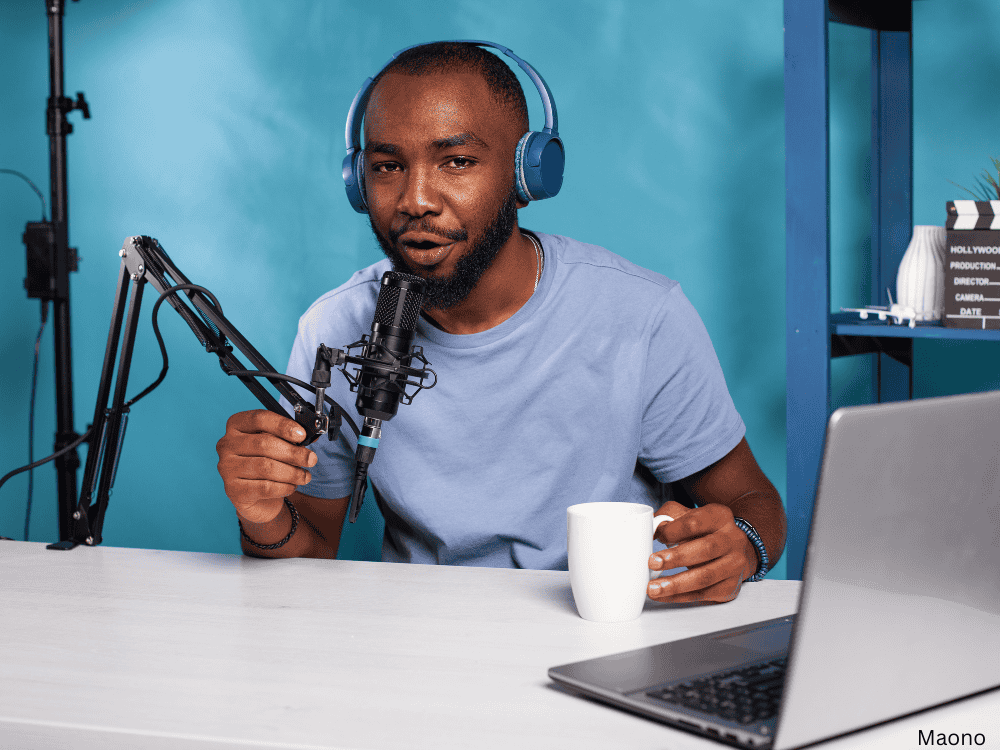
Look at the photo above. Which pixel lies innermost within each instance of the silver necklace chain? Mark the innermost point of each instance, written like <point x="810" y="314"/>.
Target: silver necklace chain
<point x="540" y="258"/>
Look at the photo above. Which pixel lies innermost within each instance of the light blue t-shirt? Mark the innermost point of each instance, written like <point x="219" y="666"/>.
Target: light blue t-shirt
<point x="605" y="364"/>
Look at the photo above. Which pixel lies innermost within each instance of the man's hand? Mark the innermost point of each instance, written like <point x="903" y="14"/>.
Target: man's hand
<point x="261" y="463"/>
<point x="718" y="555"/>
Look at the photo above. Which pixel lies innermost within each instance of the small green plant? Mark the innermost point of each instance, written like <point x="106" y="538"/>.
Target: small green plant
<point x="987" y="186"/>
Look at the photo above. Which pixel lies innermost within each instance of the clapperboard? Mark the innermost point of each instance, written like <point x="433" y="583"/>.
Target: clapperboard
<point x="972" y="265"/>
<point x="973" y="215"/>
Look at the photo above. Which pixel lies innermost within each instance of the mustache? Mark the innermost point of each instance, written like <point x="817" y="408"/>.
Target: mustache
<point x="423" y="225"/>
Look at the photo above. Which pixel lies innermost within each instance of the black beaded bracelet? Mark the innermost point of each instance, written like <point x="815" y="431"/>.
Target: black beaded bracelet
<point x="295" y="525"/>
<point x="755" y="540"/>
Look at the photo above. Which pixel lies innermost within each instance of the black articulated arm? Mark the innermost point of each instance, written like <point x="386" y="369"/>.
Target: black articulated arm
<point x="144" y="261"/>
<point x="148" y="259"/>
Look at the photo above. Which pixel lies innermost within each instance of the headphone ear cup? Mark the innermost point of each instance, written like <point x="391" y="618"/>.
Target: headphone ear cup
<point x="354" y="180"/>
<point x="522" y="186"/>
<point x="539" y="162"/>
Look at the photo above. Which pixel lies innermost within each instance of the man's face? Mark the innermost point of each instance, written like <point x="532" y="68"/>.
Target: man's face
<point x="439" y="178"/>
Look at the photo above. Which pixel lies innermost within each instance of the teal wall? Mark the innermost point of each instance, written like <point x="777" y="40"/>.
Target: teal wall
<point x="217" y="128"/>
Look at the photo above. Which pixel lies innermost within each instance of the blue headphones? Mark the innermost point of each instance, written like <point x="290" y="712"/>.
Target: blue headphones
<point x="539" y="158"/>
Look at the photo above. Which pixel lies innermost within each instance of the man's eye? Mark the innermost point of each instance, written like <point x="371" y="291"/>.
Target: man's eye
<point x="461" y="162"/>
<point x="385" y="166"/>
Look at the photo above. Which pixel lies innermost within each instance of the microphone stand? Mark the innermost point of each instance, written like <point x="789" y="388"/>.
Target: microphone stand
<point x="52" y="243"/>
<point x="144" y="261"/>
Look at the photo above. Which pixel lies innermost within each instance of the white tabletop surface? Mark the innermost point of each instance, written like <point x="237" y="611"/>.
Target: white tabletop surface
<point x="110" y="647"/>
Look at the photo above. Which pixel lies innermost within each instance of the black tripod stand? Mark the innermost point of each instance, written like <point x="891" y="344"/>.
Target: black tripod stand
<point x="51" y="260"/>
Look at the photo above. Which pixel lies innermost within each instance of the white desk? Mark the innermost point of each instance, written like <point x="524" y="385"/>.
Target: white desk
<point x="112" y="647"/>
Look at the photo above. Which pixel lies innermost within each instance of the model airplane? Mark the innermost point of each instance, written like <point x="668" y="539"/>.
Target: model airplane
<point x="896" y="312"/>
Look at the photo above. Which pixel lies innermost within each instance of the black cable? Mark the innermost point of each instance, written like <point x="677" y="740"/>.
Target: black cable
<point x="33" y="187"/>
<point x="31" y="418"/>
<point x="159" y="337"/>
<point x="39" y="462"/>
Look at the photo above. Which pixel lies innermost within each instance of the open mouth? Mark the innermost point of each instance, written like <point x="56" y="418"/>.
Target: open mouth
<point x="423" y="245"/>
<point x="424" y="249"/>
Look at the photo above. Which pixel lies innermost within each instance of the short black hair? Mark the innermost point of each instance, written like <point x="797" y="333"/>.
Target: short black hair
<point x="442" y="57"/>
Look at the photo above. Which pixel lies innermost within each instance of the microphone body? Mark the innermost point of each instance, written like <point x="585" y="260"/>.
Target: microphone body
<point x="382" y="381"/>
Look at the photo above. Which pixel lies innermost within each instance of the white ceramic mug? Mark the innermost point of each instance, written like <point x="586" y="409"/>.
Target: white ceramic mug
<point x="609" y="547"/>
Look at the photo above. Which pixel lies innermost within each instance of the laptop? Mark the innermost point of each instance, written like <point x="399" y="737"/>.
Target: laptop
<point x="900" y="603"/>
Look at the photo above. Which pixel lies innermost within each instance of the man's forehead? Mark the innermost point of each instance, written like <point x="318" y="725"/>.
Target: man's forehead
<point x="452" y="101"/>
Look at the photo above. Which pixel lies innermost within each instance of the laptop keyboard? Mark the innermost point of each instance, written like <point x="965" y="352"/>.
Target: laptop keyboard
<point x="745" y="695"/>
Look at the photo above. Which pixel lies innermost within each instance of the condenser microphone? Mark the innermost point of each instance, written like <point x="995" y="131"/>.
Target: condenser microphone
<point x="386" y="359"/>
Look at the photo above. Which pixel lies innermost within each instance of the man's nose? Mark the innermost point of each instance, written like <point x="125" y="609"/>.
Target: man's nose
<point x="420" y="195"/>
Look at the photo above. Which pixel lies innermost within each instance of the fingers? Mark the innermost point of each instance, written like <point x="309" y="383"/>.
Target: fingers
<point x="265" y="445"/>
<point x="263" y="420"/>
<point x="692" y="523"/>
<point x="722" y="591"/>
<point x="263" y="469"/>
<point x="719" y="580"/>
<point x="264" y="433"/>
<point x="260" y="462"/>
<point x="700" y="550"/>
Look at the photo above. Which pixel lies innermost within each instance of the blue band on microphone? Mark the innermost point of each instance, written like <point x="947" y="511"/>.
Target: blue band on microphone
<point x="369" y="441"/>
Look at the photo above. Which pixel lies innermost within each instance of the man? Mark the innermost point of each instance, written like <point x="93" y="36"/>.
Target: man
<point x="566" y="373"/>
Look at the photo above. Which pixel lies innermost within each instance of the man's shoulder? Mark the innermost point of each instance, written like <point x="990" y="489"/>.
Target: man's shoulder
<point x="604" y="265"/>
<point x="357" y="289"/>
<point x="347" y="306"/>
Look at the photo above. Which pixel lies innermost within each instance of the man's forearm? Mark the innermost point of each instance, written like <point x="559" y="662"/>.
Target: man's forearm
<point x="307" y="541"/>
<point x="737" y="482"/>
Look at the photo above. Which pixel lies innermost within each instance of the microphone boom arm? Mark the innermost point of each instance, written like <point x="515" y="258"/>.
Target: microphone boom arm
<point x="144" y="261"/>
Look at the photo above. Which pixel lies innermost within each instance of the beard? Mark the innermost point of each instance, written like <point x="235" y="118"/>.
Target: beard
<point x="450" y="290"/>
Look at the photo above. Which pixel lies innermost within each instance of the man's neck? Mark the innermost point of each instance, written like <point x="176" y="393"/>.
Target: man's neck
<point x="505" y="287"/>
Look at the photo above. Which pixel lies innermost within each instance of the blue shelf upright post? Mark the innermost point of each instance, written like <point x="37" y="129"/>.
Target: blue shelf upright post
<point x="810" y="331"/>
<point x="807" y="262"/>
<point x="891" y="183"/>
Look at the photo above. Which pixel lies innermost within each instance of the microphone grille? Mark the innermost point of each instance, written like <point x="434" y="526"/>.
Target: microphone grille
<point x="385" y="308"/>
<point x="399" y="300"/>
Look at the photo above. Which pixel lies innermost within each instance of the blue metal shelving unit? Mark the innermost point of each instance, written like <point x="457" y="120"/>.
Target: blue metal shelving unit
<point x="813" y="333"/>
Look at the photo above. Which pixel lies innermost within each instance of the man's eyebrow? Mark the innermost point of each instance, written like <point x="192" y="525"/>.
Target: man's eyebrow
<point x="460" y="139"/>
<point x="382" y="148"/>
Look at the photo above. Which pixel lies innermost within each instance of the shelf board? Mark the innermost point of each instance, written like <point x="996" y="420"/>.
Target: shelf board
<point x="849" y="324"/>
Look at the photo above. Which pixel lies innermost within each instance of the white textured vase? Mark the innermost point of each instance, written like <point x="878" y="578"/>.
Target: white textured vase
<point x="920" y="279"/>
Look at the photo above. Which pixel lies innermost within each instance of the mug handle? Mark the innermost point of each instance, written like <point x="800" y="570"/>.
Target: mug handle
<point x="658" y="520"/>
<point x="656" y="524"/>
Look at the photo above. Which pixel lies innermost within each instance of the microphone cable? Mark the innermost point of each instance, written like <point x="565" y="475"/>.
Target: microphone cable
<point x="163" y="373"/>
<point x="62" y="451"/>
<point x="34" y="368"/>
<point x="32" y="185"/>
<point x="31" y="418"/>
<point x="236" y="373"/>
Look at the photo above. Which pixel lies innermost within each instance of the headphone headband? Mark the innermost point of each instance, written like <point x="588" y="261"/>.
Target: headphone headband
<point x="539" y="155"/>
<point x="352" y="133"/>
